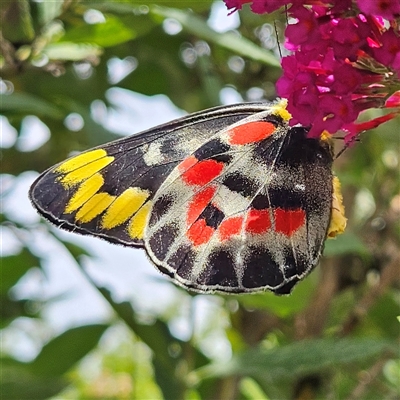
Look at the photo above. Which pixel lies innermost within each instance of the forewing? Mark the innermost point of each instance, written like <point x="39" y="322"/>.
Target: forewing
<point x="108" y="191"/>
<point x="247" y="211"/>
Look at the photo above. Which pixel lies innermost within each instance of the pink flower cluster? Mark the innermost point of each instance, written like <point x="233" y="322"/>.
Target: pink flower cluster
<point x="346" y="59"/>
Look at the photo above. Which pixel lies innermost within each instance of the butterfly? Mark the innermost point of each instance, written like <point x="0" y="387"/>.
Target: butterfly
<point x="230" y="200"/>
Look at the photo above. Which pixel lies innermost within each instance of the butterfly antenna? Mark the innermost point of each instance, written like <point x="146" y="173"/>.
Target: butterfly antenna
<point x="346" y="146"/>
<point x="286" y="14"/>
<point x="341" y="151"/>
<point x="277" y="39"/>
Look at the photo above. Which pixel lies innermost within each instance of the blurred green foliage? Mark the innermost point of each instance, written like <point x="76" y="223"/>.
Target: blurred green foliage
<point x="336" y="336"/>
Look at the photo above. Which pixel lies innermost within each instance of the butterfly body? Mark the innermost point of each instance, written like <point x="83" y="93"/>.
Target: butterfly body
<point x="228" y="200"/>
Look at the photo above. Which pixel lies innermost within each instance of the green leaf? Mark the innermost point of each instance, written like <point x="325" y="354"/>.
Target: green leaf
<point x="11" y="309"/>
<point x="18" y="382"/>
<point x="14" y="267"/>
<point x="64" y="351"/>
<point x="127" y="6"/>
<point x="26" y="104"/>
<point x="382" y="317"/>
<point x="156" y="336"/>
<point x="68" y="51"/>
<point x="160" y="70"/>
<point x="48" y="10"/>
<point x="282" y="306"/>
<point x="298" y="358"/>
<point x="106" y="34"/>
<point x="211" y="82"/>
<point x="160" y="341"/>
<point x="347" y="243"/>
<point x="16" y="21"/>
<point x="228" y="40"/>
<point x="251" y="390"/>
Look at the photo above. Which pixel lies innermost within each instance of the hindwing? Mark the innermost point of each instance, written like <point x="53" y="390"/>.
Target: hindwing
<point x="247" y="211"/>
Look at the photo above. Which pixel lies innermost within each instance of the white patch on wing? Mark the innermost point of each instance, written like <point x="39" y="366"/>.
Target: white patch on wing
<point x="153" y="155"/>
<point x="190" y="143"/>
<point x="229" y="202"/>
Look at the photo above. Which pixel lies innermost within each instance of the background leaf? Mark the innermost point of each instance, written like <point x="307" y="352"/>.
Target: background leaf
<point x="28" y="104"/>
<point x="229" y="40"/>
<point x="64" y="351"/>
<point x="71" y="51"/>
<point x="105" y="34"/>
<point x="303" y="357"/>
<point x="14" y="267"/>
<point x="18" y="382"/>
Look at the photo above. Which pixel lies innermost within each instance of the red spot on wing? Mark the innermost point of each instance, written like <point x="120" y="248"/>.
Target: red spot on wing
<point x="196" y="172"/>
<point x="200" y="233"/>
<point x="289" y="221"/>
<point x="187" y="163"/>
<point x="198" y="203"/>
<point x="250" y="132"/>
<point x="230" y="227"/>
<point x="258" y="221"/>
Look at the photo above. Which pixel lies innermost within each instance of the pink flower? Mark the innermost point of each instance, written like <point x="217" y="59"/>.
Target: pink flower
<point x="305" y="30"/>
<point x="394" y="100"/>
<point x="346" y="79"/>
<point x="303" y="105"/>
<point x="389" y="51"/>
<point x="333" y="112"/>
<point x="268" y="6"/>
<point x="349" y="35"/>
<point x="353" y="130"/>
<point x="258" y="6"/>
<point x="388" y="9"/>
<point x="343" y="62"/>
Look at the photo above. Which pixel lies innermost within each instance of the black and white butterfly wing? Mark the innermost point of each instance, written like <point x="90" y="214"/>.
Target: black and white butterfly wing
<point x="247" y="211"/>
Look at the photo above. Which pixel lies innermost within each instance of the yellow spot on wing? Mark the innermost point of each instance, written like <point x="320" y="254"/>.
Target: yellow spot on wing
<point x="85" y="191"/>
<point x="124" y="206"/>
<point x="94" y="206"/>
<point x="85" y="171"/>
<point x="81" y="160"/>
<point x="138" y="222"/>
